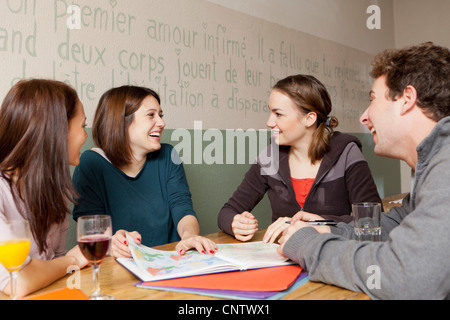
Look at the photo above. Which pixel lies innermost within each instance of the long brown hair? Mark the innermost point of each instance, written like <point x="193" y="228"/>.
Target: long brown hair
<point x="34" y="155"/>
<point x="310" y="95"/>
<point x="113" y="117"/>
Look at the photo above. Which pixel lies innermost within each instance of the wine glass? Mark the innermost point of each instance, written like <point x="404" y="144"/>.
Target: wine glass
<point x="94" y="238"/>
<point x="15" y="245"/>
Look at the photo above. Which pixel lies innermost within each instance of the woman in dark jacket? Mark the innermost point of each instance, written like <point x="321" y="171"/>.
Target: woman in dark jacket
<point x="317" y="170"/>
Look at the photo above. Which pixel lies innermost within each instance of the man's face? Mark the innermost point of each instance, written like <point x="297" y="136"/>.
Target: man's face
<point x="381" y="119"/>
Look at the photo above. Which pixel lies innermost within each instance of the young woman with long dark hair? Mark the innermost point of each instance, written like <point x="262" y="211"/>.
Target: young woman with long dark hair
<point x="41" y="134"/>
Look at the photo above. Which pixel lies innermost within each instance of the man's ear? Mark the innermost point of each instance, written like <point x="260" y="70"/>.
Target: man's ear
<point x="410" y="99"/>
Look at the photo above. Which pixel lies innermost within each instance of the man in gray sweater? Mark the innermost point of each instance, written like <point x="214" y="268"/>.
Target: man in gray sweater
<point x="409" y="117"/>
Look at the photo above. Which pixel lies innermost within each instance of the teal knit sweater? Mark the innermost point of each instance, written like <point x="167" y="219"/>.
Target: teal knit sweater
<point x="151" y="203"/>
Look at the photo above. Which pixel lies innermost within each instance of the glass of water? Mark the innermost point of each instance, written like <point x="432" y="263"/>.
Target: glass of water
<point x="367" y="220"/>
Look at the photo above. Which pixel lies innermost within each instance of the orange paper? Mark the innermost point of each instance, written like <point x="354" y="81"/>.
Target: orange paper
<point x="264" y="279"/>
<point x="61" y="294"/>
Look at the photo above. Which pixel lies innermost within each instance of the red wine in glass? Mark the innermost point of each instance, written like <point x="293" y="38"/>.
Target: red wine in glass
<point x="94" y="234"/>
<point x="94" y="248"/>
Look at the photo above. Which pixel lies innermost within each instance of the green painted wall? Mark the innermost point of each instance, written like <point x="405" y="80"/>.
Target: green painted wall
<point x="212" y="185"/>
<point x="385" y="171"/>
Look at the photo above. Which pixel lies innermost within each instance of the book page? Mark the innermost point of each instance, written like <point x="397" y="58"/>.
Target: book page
<point x="167" y="264"/>
<point x="252" y="254"/>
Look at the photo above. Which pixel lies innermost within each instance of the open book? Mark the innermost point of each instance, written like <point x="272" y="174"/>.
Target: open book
<point x="150" y="264"/>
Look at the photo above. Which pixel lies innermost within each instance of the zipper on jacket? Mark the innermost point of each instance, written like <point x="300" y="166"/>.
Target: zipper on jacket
<point x="316" y="181"/>
<point x="292" y="195"/>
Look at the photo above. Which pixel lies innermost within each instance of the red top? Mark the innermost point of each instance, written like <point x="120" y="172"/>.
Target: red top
<point x="301" y="189"/>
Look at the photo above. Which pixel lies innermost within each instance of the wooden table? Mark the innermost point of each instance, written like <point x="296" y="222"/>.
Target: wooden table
<point x="115" y="280"/>
<point x="391" y="201"/>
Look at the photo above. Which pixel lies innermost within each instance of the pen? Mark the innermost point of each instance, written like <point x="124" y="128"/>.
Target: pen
<point x="320" y="222"/>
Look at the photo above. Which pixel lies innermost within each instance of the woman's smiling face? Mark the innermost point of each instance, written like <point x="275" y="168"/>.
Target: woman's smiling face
<point x="285" y="119"/>
<point x="147" y="126"/>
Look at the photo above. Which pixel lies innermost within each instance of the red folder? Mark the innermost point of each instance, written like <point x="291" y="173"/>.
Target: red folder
<point x="264" y="279"/>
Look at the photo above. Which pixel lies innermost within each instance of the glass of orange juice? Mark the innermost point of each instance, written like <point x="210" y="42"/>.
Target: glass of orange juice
<point x="14" y="248"/>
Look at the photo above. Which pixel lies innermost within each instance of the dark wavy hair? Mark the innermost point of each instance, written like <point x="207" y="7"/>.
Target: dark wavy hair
<point x="113" y="117"/>
<point x="426" y="67"/>
<point x="34" y="155"/>
<point x="310" y="95"/>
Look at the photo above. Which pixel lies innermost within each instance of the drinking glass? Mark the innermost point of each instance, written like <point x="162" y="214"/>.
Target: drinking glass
<point x="15" y="242"/>
<point x="94" y="238"/>
<point x="367" y="220"/>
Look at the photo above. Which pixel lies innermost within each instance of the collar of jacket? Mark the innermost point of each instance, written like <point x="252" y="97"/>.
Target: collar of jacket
<point x="338" y="143"/>
<point x="433" y="142"/>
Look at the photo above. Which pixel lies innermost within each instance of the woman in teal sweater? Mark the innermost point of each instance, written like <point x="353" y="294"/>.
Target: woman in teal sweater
<point x="133" y="178"/>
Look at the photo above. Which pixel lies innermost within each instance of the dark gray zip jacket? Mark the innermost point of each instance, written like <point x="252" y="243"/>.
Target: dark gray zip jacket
<point x="343" y="178"/>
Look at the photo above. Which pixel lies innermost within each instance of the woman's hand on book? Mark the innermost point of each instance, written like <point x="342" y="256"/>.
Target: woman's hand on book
<point x="119" y="244"/>
<point x="189" y="231"/>
<point x="201" y="244"/>
<point x="275" y="229"/>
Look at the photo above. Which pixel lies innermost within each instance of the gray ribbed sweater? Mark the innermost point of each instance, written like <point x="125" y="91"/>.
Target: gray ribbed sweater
<point x="413" y="260"/>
